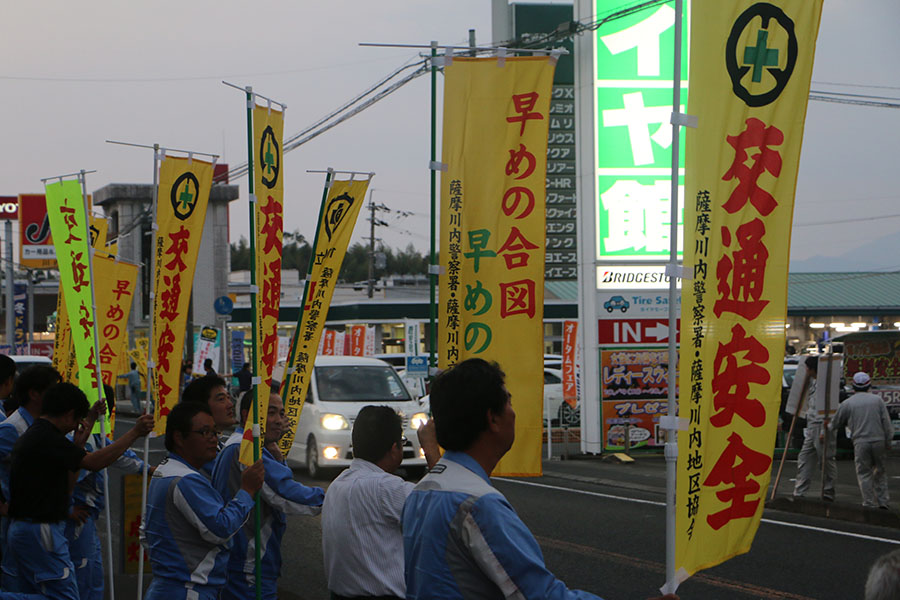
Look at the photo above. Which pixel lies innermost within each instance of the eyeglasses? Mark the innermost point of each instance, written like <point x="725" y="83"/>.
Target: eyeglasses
<point x="206" y="432"/>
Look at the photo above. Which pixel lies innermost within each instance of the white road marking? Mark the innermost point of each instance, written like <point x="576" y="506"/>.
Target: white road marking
<point x="657" y="503"/>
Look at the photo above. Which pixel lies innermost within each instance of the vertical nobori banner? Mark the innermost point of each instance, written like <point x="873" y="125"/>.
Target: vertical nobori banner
<point x="69" y="226"/>
<point x="492" y="232"/>
<point x="180" y="213"/>
<point x="114" y="283"/>
<point x="751" y="65"/>
<point x="268" y="127"/>
<point x="336" y="223"/>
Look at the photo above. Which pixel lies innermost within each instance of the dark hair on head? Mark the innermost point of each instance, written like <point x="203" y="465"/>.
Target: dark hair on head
<point x="375" y="430"/>
<point x="812" y="363"/>
<point x="200" y="389"/>
<point x="246" y="366"/>
<point x="7" y="368"/>
<point x="179" y="420"/>
<point x="246" y="403"/>
<point x="461" y="398"/>
<point x="134" y="365"/>
<point x="207" y="362"/>
<point x="63" y="397"/>
<point x="36" y="378"/>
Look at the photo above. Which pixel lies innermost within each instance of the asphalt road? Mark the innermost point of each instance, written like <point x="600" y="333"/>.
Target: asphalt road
<point x="602" y="529"/>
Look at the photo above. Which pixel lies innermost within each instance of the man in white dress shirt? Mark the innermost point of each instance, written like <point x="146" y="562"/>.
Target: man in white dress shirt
<point x="361" y="538"/>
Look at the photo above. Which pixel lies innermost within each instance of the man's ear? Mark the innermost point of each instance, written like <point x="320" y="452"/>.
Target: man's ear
<point x="492" y="420"/>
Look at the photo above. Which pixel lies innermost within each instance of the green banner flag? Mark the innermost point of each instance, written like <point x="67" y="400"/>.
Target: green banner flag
<point x="68" y="225"/>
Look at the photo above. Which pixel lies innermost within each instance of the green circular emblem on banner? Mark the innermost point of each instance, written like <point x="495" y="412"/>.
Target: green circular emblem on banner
<point x="269" y="158"/>
<point x="184" y="195"/>
<point x="775" y="43"/>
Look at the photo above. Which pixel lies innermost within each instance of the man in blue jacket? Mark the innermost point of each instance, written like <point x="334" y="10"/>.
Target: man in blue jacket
<point x="188" y="526"/>
<point x="280" y="496"/>
<point x="461" y="537"/>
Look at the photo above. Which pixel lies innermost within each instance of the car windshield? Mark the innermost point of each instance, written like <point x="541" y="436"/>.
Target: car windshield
<point x="359" y="383"/>
<point x="789" y="372"/>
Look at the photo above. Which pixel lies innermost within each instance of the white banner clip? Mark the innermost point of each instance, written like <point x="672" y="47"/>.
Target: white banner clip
<point x="252" y="198"/>
<point x="684" y="120"/>
<point x="437" y="166"/>
<point x="254" y="289"/>
<point x="678" y="271"/>
<point x="190" y="158"/>
<point x="672" y="423"/>
<point x="501" y="57"/>
<point x="256" y="430"/>
<point x="256" y="380"/>
<point x="435" y="270"/>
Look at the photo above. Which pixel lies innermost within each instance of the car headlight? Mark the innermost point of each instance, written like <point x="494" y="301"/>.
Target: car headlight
<point x="334" y="422"/>
<point x="418" y="420"/>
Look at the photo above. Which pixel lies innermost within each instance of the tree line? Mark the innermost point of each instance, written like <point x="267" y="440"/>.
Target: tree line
<point x="296" y="249"/>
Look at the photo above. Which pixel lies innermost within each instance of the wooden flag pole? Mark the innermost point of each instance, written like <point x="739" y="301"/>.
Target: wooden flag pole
<point x="101" y="393"/>
<point x="784" y="453"/>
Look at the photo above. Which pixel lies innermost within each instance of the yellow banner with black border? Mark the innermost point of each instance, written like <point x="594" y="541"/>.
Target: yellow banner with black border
<point x="750" y="70"/>
<point x="492" y="235"/>
<point x="182" y="199"/>
<point x="268" y="126"/>
<point x="336" y="223"/>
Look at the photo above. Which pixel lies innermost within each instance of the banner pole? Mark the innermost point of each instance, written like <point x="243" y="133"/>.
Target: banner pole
<point x="151" y="370"/>
<point x="254" y="335"/>
<point x="432" y="305"/>
<point x="671" y="450"/>
<point x="101" y="393"/>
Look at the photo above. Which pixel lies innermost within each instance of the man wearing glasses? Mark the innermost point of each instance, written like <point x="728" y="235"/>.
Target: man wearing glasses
<point x="280" y="496"/>
<point x="188" y="526"/>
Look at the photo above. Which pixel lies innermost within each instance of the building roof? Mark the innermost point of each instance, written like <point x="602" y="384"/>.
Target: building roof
<point x="861" y="293"/>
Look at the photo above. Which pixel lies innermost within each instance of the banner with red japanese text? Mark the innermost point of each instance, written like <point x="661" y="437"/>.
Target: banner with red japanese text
<point x="268" y="125"/>
<point x="750" y="68"/>
<point x="570" y="363"/>
<point x="634" y="391"/>
<point x="336" y="223"/>
<point x="69" y="227"/>
<point x="492" y="234"/>
<point x="114" y="283"/>
<point x="63" y="351"/>
<point x="180" y="213"/>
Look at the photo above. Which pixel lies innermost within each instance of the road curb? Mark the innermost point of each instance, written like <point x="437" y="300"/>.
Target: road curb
<point x="841" y="511"/>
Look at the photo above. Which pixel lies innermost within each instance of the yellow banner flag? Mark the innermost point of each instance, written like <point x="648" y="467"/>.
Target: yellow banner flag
<point x="99" y="227"/>
<point x="751" y="65"/>
<point x="180" y="213"/>
<point x="493" y="231"/>
<point x="268" y="125"/>
<point x="336" y="222"/>
<point x="114" y="283"/>
<point x="69" y="223"/>
<point x="63" y="351"/>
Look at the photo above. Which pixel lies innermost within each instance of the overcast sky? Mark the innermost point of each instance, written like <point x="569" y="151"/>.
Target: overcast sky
<point x="75" y="74"/>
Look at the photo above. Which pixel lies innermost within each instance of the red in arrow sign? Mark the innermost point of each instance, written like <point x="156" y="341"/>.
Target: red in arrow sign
<point x="633" y="331"/>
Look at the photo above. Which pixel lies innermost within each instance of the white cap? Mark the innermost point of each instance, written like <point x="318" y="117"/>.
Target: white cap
<point x="861" y="379"/>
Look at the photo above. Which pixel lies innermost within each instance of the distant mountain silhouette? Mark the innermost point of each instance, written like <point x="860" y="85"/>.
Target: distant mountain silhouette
<point x="882" y="254"/>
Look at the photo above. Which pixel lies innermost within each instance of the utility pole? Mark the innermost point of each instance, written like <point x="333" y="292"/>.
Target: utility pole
<point x="372" y="223"/>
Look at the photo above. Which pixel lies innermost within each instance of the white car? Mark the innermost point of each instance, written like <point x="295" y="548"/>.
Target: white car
<point x="340" y="387"/>
<point x="23" y="361"/>
<point x="560" y="411"/>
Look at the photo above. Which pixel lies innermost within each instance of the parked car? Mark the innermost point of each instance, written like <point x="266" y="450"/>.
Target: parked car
<point x="23" y="361"/>
<point x="616" y="303"/>
<point x="560" y="411"/>
<point x="340" y="387"/>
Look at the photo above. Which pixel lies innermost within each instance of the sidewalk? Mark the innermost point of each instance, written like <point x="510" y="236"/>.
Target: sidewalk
<point x="648" y="474"/>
